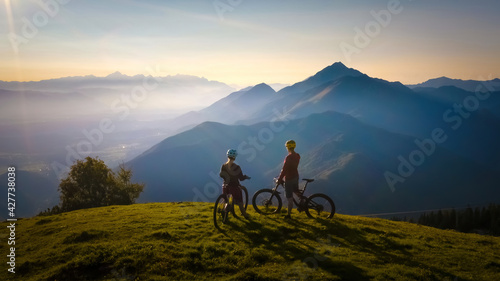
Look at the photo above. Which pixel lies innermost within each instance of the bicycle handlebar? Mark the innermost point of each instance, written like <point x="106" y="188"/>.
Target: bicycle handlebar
<point x="304" y="179"/>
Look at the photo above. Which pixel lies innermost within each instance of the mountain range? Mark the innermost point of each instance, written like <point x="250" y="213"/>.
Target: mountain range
<point x="144" y="96"/>
<point x="468" y="85"/>
<point x="358" y="136"/>
<point x="372" y="145"/>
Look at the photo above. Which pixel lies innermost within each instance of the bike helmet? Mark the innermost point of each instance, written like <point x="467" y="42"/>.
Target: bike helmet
<point x="232" y="153"/>
<point x="290" y="144"/>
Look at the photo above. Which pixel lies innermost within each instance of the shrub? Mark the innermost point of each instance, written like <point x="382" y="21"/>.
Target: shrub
<point x="91" y="183"/>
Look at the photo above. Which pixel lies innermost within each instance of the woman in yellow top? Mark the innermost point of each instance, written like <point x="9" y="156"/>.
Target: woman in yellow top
<point x="289" y="175"/>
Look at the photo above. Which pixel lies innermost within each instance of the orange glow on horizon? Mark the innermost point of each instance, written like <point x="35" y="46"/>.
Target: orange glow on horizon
<point x="281" y="72"/>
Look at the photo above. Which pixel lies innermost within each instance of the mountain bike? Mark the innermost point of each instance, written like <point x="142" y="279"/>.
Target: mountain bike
<point x="268" y="201"/>
<point x="225" y="205"/>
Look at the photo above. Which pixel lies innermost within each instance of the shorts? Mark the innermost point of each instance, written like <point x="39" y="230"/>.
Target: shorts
<point x="291" y="186"/>
<point x="235" y="191"/>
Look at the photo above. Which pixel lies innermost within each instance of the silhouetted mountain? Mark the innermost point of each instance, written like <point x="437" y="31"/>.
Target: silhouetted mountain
<point x="240" y="105"/>
<point x="388" y="105"/>
<point x="330" y="73"/>
<point x="450" y="95"/>
<point x="396" y="108"/>
<point x="471" y="120"/>
<point x="261" y="103"/>
<point x="381" y="103"/>
<point x="347" y="157"/>
<point x="468" y="85"/>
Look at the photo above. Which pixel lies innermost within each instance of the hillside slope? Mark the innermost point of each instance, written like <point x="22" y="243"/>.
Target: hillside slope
<point x="177" y="241"/>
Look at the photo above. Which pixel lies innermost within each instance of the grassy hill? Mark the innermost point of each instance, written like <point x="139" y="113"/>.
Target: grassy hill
<point x="178" y="241"/>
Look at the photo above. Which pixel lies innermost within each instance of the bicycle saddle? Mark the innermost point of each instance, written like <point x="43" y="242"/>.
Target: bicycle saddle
<point x="308" y="180"/>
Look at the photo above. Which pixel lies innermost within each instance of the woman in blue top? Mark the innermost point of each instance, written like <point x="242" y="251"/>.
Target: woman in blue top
<point x="232" y="174"/>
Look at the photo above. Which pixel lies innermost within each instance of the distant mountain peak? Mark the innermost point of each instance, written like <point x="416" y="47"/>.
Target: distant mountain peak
<point x="261" y="84"/>
<point x="335" y="70"/>
<point x="339" y="65"/>
<point x="443" y="79"/>
<point x="116" y="75"/>
<point x="327" y="74"/>
<point x="262" y="87"/>
<point x="468" y="85"/>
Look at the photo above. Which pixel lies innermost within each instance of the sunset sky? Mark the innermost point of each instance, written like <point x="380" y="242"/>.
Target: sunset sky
<point x="246" y="42"/>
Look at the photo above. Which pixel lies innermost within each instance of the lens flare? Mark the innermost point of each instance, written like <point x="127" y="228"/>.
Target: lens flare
<point x="8" y="10"/>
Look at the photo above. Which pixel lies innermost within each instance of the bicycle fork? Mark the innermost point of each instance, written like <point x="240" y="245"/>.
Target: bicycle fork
<point x="274" y="193"/>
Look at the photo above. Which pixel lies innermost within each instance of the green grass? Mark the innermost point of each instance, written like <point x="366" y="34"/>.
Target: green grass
<point x="178" y="241"/>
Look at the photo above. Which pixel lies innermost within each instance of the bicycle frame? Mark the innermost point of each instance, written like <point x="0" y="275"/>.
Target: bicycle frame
<point x="269" y="201"/>
<point x="299" y="193"/>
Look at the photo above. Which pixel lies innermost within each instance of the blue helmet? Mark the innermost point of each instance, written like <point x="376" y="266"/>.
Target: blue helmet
<point x="232" y="153"/>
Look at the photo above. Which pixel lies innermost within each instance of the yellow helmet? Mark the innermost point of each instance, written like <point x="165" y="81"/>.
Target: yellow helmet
<point x="290" y="144"/>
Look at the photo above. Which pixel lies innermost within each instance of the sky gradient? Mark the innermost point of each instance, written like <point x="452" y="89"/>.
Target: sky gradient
<point x="246" y="42"/>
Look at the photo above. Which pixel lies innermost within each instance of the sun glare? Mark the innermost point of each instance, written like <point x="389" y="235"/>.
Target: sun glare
<point x="8" y="10"/>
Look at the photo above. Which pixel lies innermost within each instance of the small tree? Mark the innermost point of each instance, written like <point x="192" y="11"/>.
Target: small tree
<point x="91" y="183"/>
<point x="123" y="192"/>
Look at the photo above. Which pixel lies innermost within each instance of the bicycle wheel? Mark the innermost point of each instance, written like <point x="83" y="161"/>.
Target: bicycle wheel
<point x="320" y="206"/>
<point x="265" y="202"/>
<point x="245" y="196"/>
<point x="220" y="210"/>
